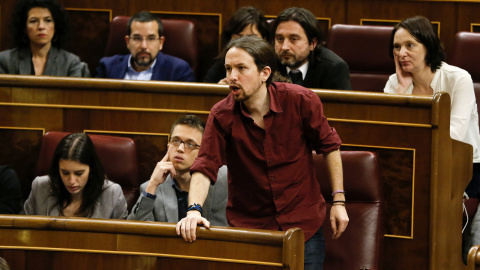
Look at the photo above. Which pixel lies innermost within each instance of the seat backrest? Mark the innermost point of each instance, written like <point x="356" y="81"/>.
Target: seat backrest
<point x="361" y="245"/>
<point x="365" y="49"/>
<point x="117" y="154"/>
<point x="465" y="53"/>
<point x="180" y="39"/>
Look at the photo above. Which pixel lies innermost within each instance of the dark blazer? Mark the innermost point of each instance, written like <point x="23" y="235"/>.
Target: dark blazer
<point x="326" y="71"/>
<point x="167" y="68"/>
<point x="216" y="72"/>
<point x="10" y="191"/>
<point x="165" y="207"/>
<point x="110" y="204"/>
<point x="59" y="63"/>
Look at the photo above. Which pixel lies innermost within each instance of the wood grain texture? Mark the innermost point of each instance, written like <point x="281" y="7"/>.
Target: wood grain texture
<point x="36" y="242"/>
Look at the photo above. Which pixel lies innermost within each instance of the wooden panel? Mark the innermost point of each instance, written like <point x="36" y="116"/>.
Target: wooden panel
<point x="30" y="242"/>
<point x="20" y="149"/>
<point x="468" y="15"/>
<point x="398" y="178"/>
<point x="89" y="30"/>
<point x="444" y="13"/>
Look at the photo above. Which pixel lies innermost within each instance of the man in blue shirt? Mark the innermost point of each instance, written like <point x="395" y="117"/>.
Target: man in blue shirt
<point x="145" y="61"/>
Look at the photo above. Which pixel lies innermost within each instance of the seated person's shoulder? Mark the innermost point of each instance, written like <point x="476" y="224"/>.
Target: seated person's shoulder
<point x="9" y="53"/>
<point x="114" y="58"/>
<point x="173" y="60"/>
<point x="111" y="186"/>
<point x="41" y="183"/>
<point x="7" y="172"/>
<point x="8" y="177"/>
<point x="329" y="56"/>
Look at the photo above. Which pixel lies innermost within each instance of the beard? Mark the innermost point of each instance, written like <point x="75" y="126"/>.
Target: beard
<point x="244" y="96"/>
<point x="241" y="98"/>
<point x="143" y="60"/>
<point x="292" y="61"/>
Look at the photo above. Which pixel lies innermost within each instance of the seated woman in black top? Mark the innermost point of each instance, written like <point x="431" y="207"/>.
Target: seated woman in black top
<point x="245" y="21"/>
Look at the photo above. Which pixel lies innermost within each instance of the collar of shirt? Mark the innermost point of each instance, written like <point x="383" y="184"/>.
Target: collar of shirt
<point x="303" y="68"/>
<point x="176" y="187"/>
<point x="274" y="103"/>
<point x="145" y="75"/>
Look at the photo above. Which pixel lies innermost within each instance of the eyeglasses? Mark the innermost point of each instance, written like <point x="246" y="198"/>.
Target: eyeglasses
<point x="139" y="39"/>
<point x="189" y="144"/>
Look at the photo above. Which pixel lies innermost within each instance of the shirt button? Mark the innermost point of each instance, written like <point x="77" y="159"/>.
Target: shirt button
<point x="272" y="179"/>
<point x="269" y="161"/>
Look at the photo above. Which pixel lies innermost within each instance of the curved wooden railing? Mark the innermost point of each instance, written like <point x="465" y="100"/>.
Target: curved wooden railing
<point x="137" y="243"/>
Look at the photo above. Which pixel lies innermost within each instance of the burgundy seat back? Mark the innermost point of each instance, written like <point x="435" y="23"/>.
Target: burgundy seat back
<point x="465" y="55"/>
<point x="360" y="246"/>
<point x="365" y="49"/>
<point x="117" y="154"/>
<point x="180" y="39"/>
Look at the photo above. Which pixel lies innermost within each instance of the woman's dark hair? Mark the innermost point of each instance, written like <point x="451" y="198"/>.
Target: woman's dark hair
<point x="77" y="147"/>
<point x="307" y="20"/>
<point x="20" y="15"/>
<point x="243" y="17"/>
<point x="422" y="31"/>
<point x="260" y="50"/>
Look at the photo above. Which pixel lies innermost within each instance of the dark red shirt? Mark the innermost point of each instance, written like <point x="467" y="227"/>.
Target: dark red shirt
<point x="272" y="182"/>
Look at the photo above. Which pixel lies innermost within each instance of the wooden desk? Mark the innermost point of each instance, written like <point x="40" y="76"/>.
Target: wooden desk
<point x="38" y="242"/>
<point x="423" y="170"/>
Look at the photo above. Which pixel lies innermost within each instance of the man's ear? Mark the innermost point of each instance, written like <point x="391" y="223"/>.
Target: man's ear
<point x="313" y="44"/>
<point x="127" y="38"/>
<point x="161" y="40"/>
<point x="265" y="74"/>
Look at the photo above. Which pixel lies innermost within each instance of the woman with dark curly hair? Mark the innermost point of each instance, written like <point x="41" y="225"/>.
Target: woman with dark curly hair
<point x="39" y="29"/>
<point x="76" y="184"/>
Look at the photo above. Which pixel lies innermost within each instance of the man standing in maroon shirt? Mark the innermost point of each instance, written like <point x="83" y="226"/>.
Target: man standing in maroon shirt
<point x="265" y="133"/>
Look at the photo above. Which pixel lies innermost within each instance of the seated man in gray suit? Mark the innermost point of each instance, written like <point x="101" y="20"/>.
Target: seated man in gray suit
<point x="165" y="196"/>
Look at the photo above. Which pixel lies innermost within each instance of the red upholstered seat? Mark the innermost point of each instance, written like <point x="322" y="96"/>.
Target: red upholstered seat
<point x="365" y="49"/>
<point x="361" y="245"/>
<point x="465" y="55"/>
<point x="117" y="154"/>
<point x="180" y="39"/>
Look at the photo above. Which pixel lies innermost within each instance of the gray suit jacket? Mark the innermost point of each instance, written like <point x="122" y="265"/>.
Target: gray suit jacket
<point x="165" y="207"/>
<point x="110" y="204"/>
<point x="59" y="63"/>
